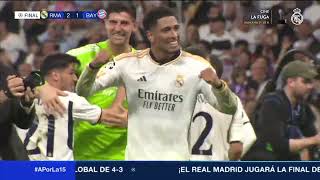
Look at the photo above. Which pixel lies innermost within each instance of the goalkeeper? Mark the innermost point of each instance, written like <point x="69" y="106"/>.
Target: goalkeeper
<point x="100" y="142"/>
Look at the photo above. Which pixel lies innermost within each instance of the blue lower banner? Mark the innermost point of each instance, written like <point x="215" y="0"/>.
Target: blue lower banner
<point x="96" y="170"/>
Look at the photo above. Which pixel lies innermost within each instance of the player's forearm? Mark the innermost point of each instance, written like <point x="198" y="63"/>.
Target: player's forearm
<point x="85" y="84"/>
<point x="111" y="118"/>
<point x="121" y="96"/>
<point x="226" y="99"/>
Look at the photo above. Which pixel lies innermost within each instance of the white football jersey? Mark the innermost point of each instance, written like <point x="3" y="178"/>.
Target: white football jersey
<point x="211" y="131"/>
<point x="161" y="100"/>
<point x="51" y="137"/>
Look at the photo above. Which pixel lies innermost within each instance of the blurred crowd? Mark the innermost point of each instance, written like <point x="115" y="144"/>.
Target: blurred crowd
<point x="249" y="53"/>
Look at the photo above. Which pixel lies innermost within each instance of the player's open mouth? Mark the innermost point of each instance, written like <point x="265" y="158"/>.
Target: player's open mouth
<point x="119" y="36"/>
<point x="174" y="43"/>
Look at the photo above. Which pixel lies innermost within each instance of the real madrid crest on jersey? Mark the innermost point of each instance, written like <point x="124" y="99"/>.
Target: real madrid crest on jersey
<point x="296" y="17"/>
<point x="179" y="81"/>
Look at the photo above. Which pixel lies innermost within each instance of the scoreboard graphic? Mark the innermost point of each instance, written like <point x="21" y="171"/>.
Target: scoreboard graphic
<point x="100" y="14"/>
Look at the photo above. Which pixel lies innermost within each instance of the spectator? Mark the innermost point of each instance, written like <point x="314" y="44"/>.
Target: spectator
<point x="311" y="13"/>
<point x="259" y="73"/>
<point x="12" y="113"/>
<point x="195" y="50"/>
<point x="33" y="49"/>
<point x="24" y="69"/>
<point x="304" y="35"/>
<point x="238" y="83"/>
<point x="244" y="61"/>
<point x="213" y="12"/>
<point x="192" y="34"/>
<point x="205" y="45"/>
<point x="5" y="59"/>
<point x="251" y="91"/>
<point x="12" y="43"/>
<point x="269" y="44"/>
<point x="239" y="47"/>
<point x="219" y="39"/>
<point x="282" y="130"/>
<point x="61" y="34"/>
<point x="247" y="33"/>
<point x="49" y="47"/>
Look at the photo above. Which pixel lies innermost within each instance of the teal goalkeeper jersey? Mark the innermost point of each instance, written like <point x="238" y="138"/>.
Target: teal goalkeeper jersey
<point x="97" y="142"/>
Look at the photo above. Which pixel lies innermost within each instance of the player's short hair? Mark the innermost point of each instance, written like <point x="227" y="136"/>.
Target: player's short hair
<point x="195" y="50"/>
<point x="151" y="18"/>
<point x="57" y="61"/>
<point x="117" y="7"/>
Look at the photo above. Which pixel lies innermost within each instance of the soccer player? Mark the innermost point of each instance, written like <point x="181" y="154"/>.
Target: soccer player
<point x="215" y="135"/>
<point x="51" y="137"/>
<point x="219" y="136"/>
<point x="162" y="85"/>
<point x="96" y="142"/>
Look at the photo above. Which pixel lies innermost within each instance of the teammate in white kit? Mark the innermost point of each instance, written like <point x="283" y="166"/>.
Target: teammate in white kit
<point x="51" y="137"/>
<point x="162" y="85"/>
<point x="215" y="135"/>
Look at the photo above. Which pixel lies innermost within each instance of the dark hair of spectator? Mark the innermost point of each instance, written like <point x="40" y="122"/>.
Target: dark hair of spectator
<point x="196" y="51"/>
<point x="206" y="44"/>
<point x="241" y="42"/>
<point x="217" y="64"/>
<point x="151" y="18"/>
<point x="252" y="85"/>
<point x="56" y="45"/>
<point x="57" y="61"/>
<point x="117" y="7"/>
<point x="237" y="72"/>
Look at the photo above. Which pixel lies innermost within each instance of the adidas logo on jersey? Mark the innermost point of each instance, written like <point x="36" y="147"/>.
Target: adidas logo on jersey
<point x="143" y="78"/>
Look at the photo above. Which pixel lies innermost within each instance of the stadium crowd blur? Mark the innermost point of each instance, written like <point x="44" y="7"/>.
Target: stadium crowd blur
<point x="250" y="54"/>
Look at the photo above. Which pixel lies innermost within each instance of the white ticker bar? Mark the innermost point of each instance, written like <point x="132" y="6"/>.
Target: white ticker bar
<point x="27" y="15"/>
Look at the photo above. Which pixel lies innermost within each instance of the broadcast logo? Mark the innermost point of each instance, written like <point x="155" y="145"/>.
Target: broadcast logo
<point x="262" y="16"/>
<point x="102" y="14"/>
<point x="44" y="14"/>
<point x="296" y="17"/>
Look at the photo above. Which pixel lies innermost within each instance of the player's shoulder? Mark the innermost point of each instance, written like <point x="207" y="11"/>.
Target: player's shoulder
<point x="89" y="48"/>
<point x="73" y="97"/>
<point x="195" y="59"/>
<point x="137" y="54"/>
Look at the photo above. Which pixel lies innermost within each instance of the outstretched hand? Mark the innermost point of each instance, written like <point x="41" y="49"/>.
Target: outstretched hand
<point x="101" y="59"/>
<point x="115" y="116"/>
<point x="49" y="96"/>
<point x="210" y="76"/>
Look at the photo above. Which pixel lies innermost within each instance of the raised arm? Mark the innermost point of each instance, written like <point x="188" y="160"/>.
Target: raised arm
<point x="218" y="94"/>
<point x="83" y="110"/>
<point x="89" y="82"/>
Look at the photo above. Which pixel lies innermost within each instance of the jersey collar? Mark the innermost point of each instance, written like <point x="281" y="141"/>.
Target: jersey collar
<point x="173" y="59"/>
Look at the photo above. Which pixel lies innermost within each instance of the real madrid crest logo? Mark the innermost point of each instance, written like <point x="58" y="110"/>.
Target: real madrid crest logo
<point x="179" y="81"/>
<point x="296" y="17"/>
